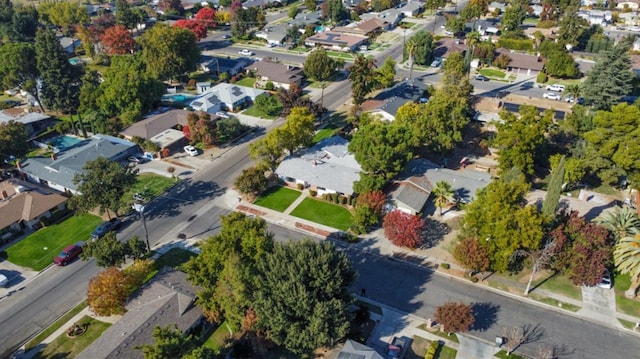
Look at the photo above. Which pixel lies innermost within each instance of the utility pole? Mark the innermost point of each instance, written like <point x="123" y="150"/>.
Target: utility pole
<point x="323" y="85"/>
<point x="140" y="209"/>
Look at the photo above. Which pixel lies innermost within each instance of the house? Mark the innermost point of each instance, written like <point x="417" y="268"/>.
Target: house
<point x="326" y="167"/>
<point x="274" y="35"/>
<point x="522" y="63"/>
<point x="281" y="76"/>
<point x="352" y="4"/>
<point x="367" y="28"/>
<point x="261" y="3"/>
<point x="355" y="350"/>
<point x="629" y="18"/>
<point x="226" y="96"/>
<point x="392" y="16"/>
<point x="628" y="4"/>
<point x="305" y="18"/>
<point x="34" y="122"/>
<point x="387" y="102"/>
<point x="412" y="8"/>
<point x="497" y="6"/>
<point x="447" y="46"/>
<point x="596" y="17"/>
<point x="58" y="170"/>
<point x="218" y="64"/>
<point x="23" y="205"/>
<point x="155" y="124"/>
<point x="69" y="44"/>
<point x="167" y="299"/>
<point x="417" y="180"/>
<point x="336" y="41"/>
<point x="536" y="10"/>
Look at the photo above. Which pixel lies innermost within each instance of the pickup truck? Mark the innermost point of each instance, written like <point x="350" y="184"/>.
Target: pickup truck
<point x="398" y="347"/>
<point x="105" y="227"/>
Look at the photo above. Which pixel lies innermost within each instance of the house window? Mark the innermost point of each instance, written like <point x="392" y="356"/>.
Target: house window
<point x="321" y="188"/>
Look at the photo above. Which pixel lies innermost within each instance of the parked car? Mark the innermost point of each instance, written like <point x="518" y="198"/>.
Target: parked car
<point x="105" y="227"/>
<point x="67" y="255"/>
<point x="137" y="159"/>
<point x="226" y="36"/>
<point x="606" y="281"/>
<point x="245" y="52"/>
<point x="4" y="281"/>
<point x="555" y="87"/>
<point x="192" y="151"/>
<point x="436" y="63"/>
<point x="271" y="44"/>
<point x="481" y="78"/>
<point x="552" y="96"/>
<point x="223" y="114"/>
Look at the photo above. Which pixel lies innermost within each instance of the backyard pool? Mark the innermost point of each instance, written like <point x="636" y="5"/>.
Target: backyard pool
<point x="178" y="97"/>
<point x="63" y="142"/>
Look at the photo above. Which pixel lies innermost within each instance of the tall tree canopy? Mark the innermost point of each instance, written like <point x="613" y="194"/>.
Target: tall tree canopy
<point x="64" y="14"/>
<point x="302" y="294"/>
<point x="320" y="66"/>
<point x="362" y="78"/>
<point x="169" y="52"/>
<point x="117" y="40"/>
<point x="610" y="79"/>
<point x="13" y="139"/>
<point x="423" y="45"/>
<point x="18" y="67"/>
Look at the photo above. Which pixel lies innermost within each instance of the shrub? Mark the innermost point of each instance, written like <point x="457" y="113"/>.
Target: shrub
<point x="312" y="193"/>
<point x="502" y="61"/>
<point x="473" y="279"/>
<point x="432" y="349"/>
<point x="445" y="266"/>
<point x="300" y="186"/>
<point x="342" y="199"/>
<point x="546" y="24"/>
<point x="403" y="229"/>
<point x="192" y="82"/>
<point x="542" y="78"/>
<point x="171" y="169"/>
<point x="517" y="44"/>
<point x="269" y="86"/>
<point x="335" y="198"/>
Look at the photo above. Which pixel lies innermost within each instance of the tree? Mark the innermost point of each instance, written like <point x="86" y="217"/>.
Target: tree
<point x="571" y="27"/>
<point x="433" y="5"/>
<point x="362" y="78"/>
<point x="319" y="66"/>
<point x="207" y="17"/>
<point x="584" y="249"/>
<point x="621" y="222"/>
<point x="124" y="14"/>
<point x="251" y="181"/>
<point x="169" y="52"/>
<point x="541" y="258"/>
<point x="246" y="19"/>
<point x="267" y="152"/>
<point x="297" y="131"/>
<point x="198" y="29"/>
<point x="293" y="11"/>
<point x="474" y="10"/>
<point x="385" y="75"/>
<point x="513" y="17"/>
<point x="627" y="260"/>
<point x="102" y="184"/>
<point x="334" y="10"/>
<point x="108" y="251"/>
<point x="374" y="200"/>
<point x="454" y="70"/>
<point x="201" y="128"/>
<point x="443" y="195"/>
<point x="310" y="5"/>
<point x="60" y="80"/>
<point x="455" y="24"/>
<point x="89" y="93"/>
<point x="117" y="40"/>
<point x="610" y="79"/>
<point x="169" y="343"/>
<point x="520" y="138"/>
<point x="315" y="313"/>
<point x="502" y="61"/>
<point x="108" y="292"/>
<point x="268" y="104"/>
<point x="423" y="44"/>
<point x="455" y="317"/>
<point x="171" y="7"/>
<point x="136" y="248"/>
<point x="403" y="229"/>
<point x="561" y="64"/>
<point x="22" y="25"/>
<point x="472" y="255"/>
<point x="18" y="68"/>
<point x="64" y="15"/>
<point x="363" y="218"/>
<point x="293" y="97"/>
<point x="554" y="190"/>
<point x="13" y="139"/>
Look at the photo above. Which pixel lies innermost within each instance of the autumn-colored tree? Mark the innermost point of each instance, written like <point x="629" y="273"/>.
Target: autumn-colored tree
<point x="251" y="181"/>
<point x="207" y="17"/>
<point x="472" y="255"/>
<point x="117" y="40"/>
<point x="455" y="317"/>
<point x="108" y="292"/>
<point x="198" y="28"/>
<point x="403" y="229"/>
<point x="374" y="199"/>
<point x="201" y="128"/>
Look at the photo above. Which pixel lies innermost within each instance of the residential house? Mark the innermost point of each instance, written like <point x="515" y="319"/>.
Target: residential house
<point x="161" y="130"/>
<point x="226" y="96"/>
<point x="34" y="122"/>
<point x="495" y="6"/>
<point x="627" y="4"/>
<point x="261" y="3"/>
<point x="167" y="299"/>
<point x="355" y="350"/>
<point x="275" y="35"/>
<point x="522" y="63"/>
<point x="392" y="16"/>
<point x="587" y="3"/>
<point x="596" y="17"/>
<point x="281" y="76"/>
<point x="218" y="64"/>
<point x="326" y="167"/>
<point x="367" y="28"/>
<point x="629" y="18"/>
<point x="352" y="4"/>
<point x="387" y="102"/>
<point x="447" y="46"/>
<point x="305" y="18"/>
<point x="336" y="41"/>
<point x="58" y="170"/>
<point x="420" y="176"/>
<point x="24" y="205"/>
<point x="69" y="44"/>
<point x="536" y="10"/>
<point x="412" y="8"/>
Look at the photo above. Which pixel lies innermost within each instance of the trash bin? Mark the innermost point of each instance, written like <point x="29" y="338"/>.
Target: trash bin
<point x="499" y="342"/>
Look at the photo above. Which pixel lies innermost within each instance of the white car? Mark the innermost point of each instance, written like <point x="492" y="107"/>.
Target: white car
<point x="4" y="281"/>
<point x="552" y="96"/>
<point x="555" y="87"/>
<point x="606" y="282"/>
<point x="246" y="52"/>
<point x="222" y="114"/>
<point x="192" y="151"/>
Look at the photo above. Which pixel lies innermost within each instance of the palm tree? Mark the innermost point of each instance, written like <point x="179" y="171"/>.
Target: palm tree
<point x="626" y="256"/>
<point x="444" y="195"/>
<point x="622" y="222"/>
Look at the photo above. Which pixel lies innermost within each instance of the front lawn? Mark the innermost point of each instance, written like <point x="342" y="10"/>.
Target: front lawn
<point x="38" y="250"/>
<point x="277" y="198"/>
<point x="150" y="183"/>
<point x="65" y="347"/>
<point x="324" y="213"/>
<point x="561" y="285"/>
<point x="340" y="55"/>
<point x="493" y="73"/>
<point x="218" y="338"/>
<point x="625" y="305"/>
<point x="246" y="82"/>
<point x="55" y="326"/>
<point x="255" y="112"/>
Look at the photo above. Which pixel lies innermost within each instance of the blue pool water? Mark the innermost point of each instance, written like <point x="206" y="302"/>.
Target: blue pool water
<point x="62" y="142"/>
<point x="178" y="97"/>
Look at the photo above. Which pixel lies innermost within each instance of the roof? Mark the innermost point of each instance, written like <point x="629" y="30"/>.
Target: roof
<point x="446" y="46"/>
<point x="364" y="27"/>
<point x="327" y="164"/>
<point x="20" y="200"/>
<point x="336" y="39"/>
<point x="277" y="72"/>
<point x="22" y="117"/>
<point x="390" y="15"/>
<point x="225" y="63"/>
<point x="304" y="18"/>
<point x="522" y="61"/>
<point x="391" y="99"/>
<point x="224" y="93"/>
<point x="355" y="350"/>
<point x="154" y="125"/>
<point x="69" y="162"/>
<point x="166" y="299"/>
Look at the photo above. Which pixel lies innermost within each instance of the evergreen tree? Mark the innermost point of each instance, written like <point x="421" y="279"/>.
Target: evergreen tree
<point x="610" y="79"/>
<point x="552" y="198"/>
<point x="362" y="78"/>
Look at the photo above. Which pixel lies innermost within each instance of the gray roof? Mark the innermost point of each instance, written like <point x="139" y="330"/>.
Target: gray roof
<point x="224" y="93"/>
<point x="410" y="195"/>
<point x="393" y="98"/>
<point x="355" y="350"/>
<point x="327" y="164"/>
<point x="70" y="161"/>
<point x="166" y="300"/>
<point x="275" y="33"/>
<point x="225" y="64"/>
<point x="304" y="18"/>
<point x="25" y="118"/>
<point x="156" y="124"/>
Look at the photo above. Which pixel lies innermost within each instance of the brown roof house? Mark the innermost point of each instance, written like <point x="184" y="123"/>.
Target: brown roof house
<point x="282" y="76"/>
<point x="160" y="129"/>
<point x="336" y="41"/>
<point x="23" y="205"/>
<point x="365" y="28"/>
<point x="167" y="299"/>
<point x="521" y="63"/>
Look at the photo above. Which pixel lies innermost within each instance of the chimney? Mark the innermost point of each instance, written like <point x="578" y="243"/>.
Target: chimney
<point x="4" y="195"/>
<point x="54" y="157"/>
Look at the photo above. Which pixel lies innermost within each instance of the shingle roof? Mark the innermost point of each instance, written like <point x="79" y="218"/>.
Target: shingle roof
<point x="355" y="350"/>
<point x="224" y="93"/>
<point x="154" y="125"/>
<point x="336" y="39"/>
<point x="522" y="61"/>
<point x="277" y="72"/>
<point x="166" y="300"/>
<point x="328" y="164"/>
<point x="29" y="203"/>
<point x="391" y="99"/>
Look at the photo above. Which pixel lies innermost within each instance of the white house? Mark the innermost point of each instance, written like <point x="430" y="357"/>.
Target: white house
<point x="225" y="96"/>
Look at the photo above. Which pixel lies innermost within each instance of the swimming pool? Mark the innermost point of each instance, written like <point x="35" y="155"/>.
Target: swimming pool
<point x="178" y="97"/>
<point x="64" y="142"/>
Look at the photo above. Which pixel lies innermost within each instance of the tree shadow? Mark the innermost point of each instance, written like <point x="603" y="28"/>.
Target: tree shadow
<point x="184" y="193"/>
<point x="434" y="232"/>
<point x="486" y="314"/>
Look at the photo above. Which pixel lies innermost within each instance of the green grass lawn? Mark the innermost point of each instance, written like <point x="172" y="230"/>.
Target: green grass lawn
<point x="562" y="285"/>
<point x="247" y="82"/>
<point x="255" y="112"/>
<point x="152" y="183"/>
<point x="556" y="303"/>
<point x="65" y="347"/>
<point x="173" y="258"/>
<point x="277" y="198"/>
<point x="218" y="338"/>
<point x="38" y="250"/>
<point x="625" y="305"/>
<point x="340" y="55"/>
<point x="324" y="213"/>
<point x="493" y="73"/>
<point x="53" y="327"/>
<point x="503" y="355"/>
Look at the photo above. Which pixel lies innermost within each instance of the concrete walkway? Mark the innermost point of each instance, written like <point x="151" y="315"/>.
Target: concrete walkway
<point x="295" y="203"/>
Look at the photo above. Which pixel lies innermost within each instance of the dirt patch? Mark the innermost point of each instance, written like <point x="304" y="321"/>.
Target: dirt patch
<point x="312" y="229"/>
<point x="250" y="210"/>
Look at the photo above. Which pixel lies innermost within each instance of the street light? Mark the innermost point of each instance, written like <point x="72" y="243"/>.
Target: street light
<point x="140" y="209"/>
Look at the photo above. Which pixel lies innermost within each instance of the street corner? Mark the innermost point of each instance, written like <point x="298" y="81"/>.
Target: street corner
<point x="16" y="278"/>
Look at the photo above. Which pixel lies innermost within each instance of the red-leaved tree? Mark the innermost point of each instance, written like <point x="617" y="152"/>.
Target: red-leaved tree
<point x="403" y="229"/>
<point x="375" y="200"/>
<point x="455" y="317"/>
<point x="198" y="29"/>
<point x="207" y="17"/>
<point x="117" y="40"/>
<point x="472" y="255"/>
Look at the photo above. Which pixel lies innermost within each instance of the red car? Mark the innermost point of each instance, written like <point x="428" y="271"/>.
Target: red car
<point x="67" y="255"/>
